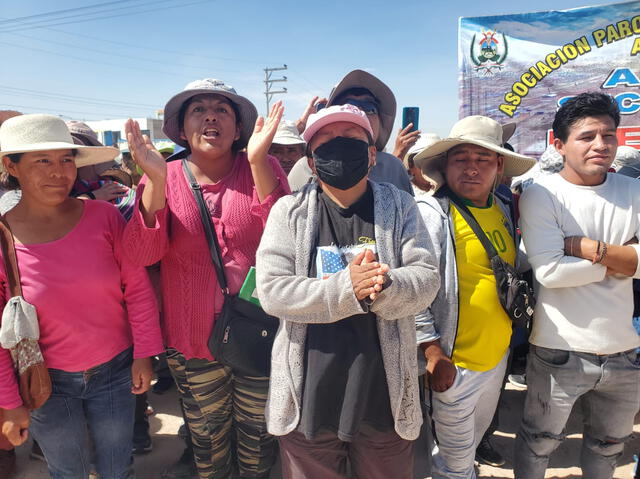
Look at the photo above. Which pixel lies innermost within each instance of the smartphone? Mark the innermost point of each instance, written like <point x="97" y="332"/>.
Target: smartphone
<point x="320" y="105"/>
<point x="410" y="114"/>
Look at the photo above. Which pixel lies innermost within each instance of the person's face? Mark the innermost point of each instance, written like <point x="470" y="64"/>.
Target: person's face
<point x="471" y="171"/>
<point x="374" y="117"/>
<point x="590" y="147"/>
<point x="47" y="176"/>
<point x="210" y="125"/>
<point x="287" y="155"/>
<point x="340" y="129"/>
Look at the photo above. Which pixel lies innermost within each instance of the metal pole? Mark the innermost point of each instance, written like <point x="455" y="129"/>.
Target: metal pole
<point x="268" y="82"/>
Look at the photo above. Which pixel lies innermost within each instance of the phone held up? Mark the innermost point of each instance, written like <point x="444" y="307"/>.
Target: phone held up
<point x="410" y="114"/>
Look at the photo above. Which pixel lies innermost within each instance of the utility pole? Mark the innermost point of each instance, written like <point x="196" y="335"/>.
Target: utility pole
<point x="268" y="82"/>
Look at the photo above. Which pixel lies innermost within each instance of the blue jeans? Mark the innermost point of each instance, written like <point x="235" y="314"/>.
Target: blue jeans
<point x="97" y="402"/>
<point x="610" y="389"/>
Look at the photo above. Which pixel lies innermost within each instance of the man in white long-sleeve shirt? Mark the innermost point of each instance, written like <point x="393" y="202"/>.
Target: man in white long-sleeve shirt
<point x="580" y="230"/>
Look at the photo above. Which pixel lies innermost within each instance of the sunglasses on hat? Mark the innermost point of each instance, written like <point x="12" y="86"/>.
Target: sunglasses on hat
<point x="369" y="107"/>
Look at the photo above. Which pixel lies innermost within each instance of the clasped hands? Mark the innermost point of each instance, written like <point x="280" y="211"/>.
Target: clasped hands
<point x="367" y="275"/>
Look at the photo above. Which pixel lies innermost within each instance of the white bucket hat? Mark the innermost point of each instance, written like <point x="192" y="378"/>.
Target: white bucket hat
<point x="287" y="134"/>
<point x="38" y="132"/>
<point x="247" y="110"/>
<point x="381" y="92"/>
<point x="424" y="141"/>
<point x="477" y="130"/>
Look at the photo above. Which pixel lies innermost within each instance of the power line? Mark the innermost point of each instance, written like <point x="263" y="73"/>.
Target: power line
<point x="58" y="12"/>
<point x="93" y="61"/>
<point x="116" y="54"/>
<point x="128" y="13"/>
<point x="41" y="109"/>
<point x="75" y="99"/>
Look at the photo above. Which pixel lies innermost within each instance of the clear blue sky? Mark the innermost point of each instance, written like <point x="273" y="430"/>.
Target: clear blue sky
<point x="139" y="53"/>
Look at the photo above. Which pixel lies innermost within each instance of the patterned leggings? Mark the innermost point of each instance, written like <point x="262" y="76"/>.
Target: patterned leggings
<point x="225" y="415"/>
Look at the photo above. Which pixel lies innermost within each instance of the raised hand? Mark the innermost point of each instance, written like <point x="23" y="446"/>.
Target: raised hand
<point x="143" y="152"/>
<point x="405" y="140"/>
<point x="263" y="134"/>
<point x="301" y="123"/>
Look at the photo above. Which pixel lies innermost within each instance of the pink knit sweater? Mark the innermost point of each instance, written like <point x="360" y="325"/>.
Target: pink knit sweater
<point x="191" y="296"/>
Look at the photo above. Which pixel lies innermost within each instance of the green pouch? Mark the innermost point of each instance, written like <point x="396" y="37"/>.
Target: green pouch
<point x="248" y="291"/>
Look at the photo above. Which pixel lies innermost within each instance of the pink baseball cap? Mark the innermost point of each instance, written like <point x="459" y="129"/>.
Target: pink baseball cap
<point x="335" y="114"/>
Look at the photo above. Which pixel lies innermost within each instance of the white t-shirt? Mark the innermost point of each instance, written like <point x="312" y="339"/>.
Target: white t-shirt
<point x="578" y="307"/>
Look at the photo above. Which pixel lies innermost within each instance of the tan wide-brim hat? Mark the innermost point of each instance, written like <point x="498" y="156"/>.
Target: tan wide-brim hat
<point x="382" y="93"/>
<point x="38" y="132"/>
<point x="476" y="130"/>
<point x="247" y="110"/>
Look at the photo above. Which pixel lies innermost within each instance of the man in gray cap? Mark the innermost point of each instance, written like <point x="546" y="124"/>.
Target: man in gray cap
<point x="368" y="93"/>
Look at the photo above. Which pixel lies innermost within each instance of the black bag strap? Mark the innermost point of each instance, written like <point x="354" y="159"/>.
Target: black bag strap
<point x="207" y="224"/>
<point x="473" y="224"/>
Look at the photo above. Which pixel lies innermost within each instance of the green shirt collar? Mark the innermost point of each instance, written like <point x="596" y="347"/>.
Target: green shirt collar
<point x="470" y="204"/>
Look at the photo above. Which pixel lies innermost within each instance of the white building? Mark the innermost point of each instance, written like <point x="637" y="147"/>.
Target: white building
<point x="111" y="132"/>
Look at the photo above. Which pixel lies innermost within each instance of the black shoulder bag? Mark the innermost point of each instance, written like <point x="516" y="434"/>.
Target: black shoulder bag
<point x="243" y="333"/>
<point x="516" y="296"/>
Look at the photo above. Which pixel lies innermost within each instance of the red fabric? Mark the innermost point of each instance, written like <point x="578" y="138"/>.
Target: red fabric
<point x="191" y="296"/>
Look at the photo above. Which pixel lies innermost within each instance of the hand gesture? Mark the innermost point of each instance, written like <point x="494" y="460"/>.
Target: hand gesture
<point x="405" y="140"/>
<point x="263" y="134"/>
<point x="143" y="152"/>
<point x="301" y="123"/>
<point x="16" y="425"/>
<point x="110" y="191"/>
<point x="141" y="374"/>
<point x="367" y="275"/>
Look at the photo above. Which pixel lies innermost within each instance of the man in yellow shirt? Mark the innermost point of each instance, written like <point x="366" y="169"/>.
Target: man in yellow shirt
<point x="465" y="333"/>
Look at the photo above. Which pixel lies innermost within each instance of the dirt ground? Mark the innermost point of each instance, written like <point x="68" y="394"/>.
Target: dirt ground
<point x="167" y="446"/>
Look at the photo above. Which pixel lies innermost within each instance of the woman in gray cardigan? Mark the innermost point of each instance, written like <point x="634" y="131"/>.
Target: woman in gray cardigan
<point x="345" y="264"/>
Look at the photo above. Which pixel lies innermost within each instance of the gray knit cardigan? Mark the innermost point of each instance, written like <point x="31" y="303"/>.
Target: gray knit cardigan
<point x="286" y="291"/>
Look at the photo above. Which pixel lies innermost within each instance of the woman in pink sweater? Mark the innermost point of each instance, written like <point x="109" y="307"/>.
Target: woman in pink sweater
<point x="97" y="313"/>
<point x="215" y="124"/>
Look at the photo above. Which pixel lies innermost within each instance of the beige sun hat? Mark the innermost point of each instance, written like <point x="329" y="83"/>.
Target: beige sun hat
<point x="38" y="132"/>
<point x="477" y="130"/>
<point x="247" y="110"/>
<point x="424" y="141"/>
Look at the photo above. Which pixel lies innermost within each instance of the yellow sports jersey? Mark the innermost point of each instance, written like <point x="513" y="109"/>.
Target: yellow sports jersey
<point x="484" y="329"/>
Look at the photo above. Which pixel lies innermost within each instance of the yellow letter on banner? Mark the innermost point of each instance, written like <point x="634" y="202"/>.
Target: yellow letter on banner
<point x="636" y="47"/>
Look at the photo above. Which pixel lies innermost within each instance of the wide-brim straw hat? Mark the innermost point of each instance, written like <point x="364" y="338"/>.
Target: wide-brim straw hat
<point x="247" y="110"/>
<point x="476" y="130"/>
<point x="38" y="132"/>
<point x="382" y="93"/>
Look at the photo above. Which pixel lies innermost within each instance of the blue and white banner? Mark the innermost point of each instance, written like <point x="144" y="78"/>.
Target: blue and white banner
<point x="522" y="67"/>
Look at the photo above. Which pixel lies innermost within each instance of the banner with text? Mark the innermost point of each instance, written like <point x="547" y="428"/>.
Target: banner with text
<point x="522" y="67"/>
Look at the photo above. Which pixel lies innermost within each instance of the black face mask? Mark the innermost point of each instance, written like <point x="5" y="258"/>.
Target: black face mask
<point x="342" y="162"/>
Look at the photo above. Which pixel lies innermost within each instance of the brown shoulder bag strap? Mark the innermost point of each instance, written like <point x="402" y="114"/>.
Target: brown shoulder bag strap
<point x="10" y="258"/>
